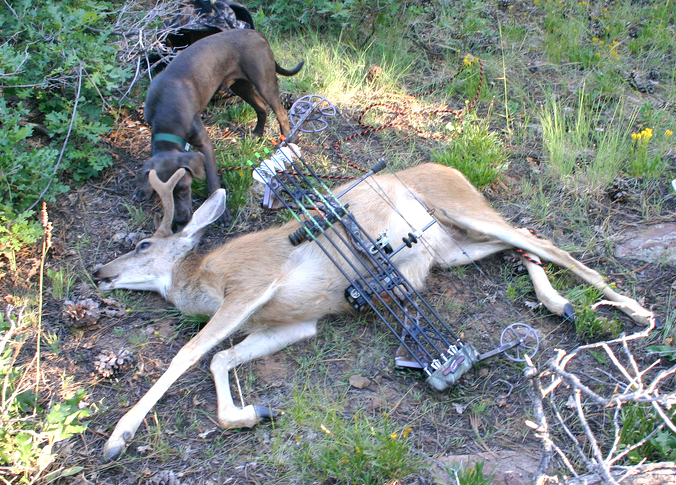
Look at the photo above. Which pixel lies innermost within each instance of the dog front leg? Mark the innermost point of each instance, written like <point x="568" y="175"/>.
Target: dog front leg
<point x="199" y="138"/>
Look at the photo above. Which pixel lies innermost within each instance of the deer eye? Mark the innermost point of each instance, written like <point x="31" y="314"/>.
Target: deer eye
<point x="143" y="245"/>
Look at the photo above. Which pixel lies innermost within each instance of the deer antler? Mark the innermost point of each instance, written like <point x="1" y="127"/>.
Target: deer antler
<point x="166" y="192"/>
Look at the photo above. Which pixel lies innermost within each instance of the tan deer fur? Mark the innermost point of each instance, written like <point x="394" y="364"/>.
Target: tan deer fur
<point x="261" y="285"/>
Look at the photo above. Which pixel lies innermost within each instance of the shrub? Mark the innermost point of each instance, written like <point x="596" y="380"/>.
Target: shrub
<point x="52" y="52"/>
<point x="478" y="153"/>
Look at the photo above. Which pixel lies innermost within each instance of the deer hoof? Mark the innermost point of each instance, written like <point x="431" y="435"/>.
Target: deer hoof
<point x="568" y="313"/>
<point x="113" y="448"/>
<point x="265" y="413"/>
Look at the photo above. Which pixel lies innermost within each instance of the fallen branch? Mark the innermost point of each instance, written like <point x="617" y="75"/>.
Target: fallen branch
<point x="580" y="412"/>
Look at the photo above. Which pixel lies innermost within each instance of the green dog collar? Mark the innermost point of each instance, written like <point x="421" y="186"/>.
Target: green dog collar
<point x="171" y="138"/>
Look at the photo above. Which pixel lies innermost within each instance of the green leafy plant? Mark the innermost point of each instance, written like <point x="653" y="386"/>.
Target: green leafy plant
<point x="647" y="161"/>
<point x="589" y="325"/>
<point x="638" y="421"/>
<point x="352" y="18"/>
<point x="29" y="433"/>
<point x="60" y="77"/>
<point x="478" y="153"/>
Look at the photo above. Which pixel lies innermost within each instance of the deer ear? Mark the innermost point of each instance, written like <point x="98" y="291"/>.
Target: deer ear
<point x="208" y="212"/>
<point x="194" y="163"/>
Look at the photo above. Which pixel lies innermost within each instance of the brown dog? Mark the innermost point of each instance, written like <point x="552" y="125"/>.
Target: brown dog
<point x="239" y="59"/>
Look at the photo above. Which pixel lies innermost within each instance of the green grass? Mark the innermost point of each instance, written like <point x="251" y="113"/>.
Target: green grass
<point x="241" y="153"/>
<point x="478" y="153"/>
<point x="586" y="147"/>
<point x="349" y="447"/>
<point x="469" y="474"/>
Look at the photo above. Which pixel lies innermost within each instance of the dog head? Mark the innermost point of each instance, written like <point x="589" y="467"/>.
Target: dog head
<point x="166" y="164"/>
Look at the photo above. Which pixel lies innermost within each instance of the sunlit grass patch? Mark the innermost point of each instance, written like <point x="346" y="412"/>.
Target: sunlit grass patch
<point x="334" y="444"/>
<point x="477" y="152"/>
<point x="586" y="147"/>
<point x="242" y="153"/>
<point x="340" y="72"/>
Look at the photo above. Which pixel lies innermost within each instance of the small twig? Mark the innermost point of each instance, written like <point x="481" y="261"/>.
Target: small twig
<point x="9" y="6"/>
<point x="596" y="451"/>
<point x="570" y="435"/>
<point x="665" y="418"/>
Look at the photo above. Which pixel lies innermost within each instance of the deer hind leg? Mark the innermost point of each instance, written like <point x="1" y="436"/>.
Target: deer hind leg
<point x="260" y="343"/>
<point x="522" y="239"/>
<point x="547" y="251"/>
<point x="544" y="290"/>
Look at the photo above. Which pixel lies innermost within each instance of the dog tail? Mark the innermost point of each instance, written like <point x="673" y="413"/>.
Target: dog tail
<point x="287" y="72"/>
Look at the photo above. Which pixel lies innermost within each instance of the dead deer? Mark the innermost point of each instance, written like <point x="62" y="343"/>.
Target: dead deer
<point x="273" y="292"/>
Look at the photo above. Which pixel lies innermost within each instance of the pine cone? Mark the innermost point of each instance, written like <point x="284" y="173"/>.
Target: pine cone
<point x="165" y="477"/>
<point x="81" y="313"/>
<point x="108" y="364"/>
<point x="287" y="100"/>
<point x="373" y="74"/>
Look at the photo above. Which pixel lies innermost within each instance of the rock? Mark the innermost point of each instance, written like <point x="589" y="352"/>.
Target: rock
<point x="652" y="244"/>
<point x="508" y="467"/>
<point x="360" y="382"/>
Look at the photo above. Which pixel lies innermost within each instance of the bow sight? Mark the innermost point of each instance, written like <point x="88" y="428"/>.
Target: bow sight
<point x="427" y="343"/>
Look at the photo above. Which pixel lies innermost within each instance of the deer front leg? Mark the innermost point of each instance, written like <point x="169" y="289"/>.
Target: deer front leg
<point x="229" y="317"/>
<point x="262" y="342"/>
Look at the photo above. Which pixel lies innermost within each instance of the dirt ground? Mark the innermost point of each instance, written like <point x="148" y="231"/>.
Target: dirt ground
<point x="483" y="414"/>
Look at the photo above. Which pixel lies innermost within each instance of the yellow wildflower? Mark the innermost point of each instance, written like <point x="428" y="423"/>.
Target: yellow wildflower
<point x="668" y="132"/>
<point x="393" y="436"/>
<point x="406" y="432"/>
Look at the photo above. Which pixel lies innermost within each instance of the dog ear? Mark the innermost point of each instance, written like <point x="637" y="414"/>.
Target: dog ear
<point x="194" y="163"/>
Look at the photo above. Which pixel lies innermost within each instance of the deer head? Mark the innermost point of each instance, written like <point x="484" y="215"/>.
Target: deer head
<point x="150" y="265"/>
